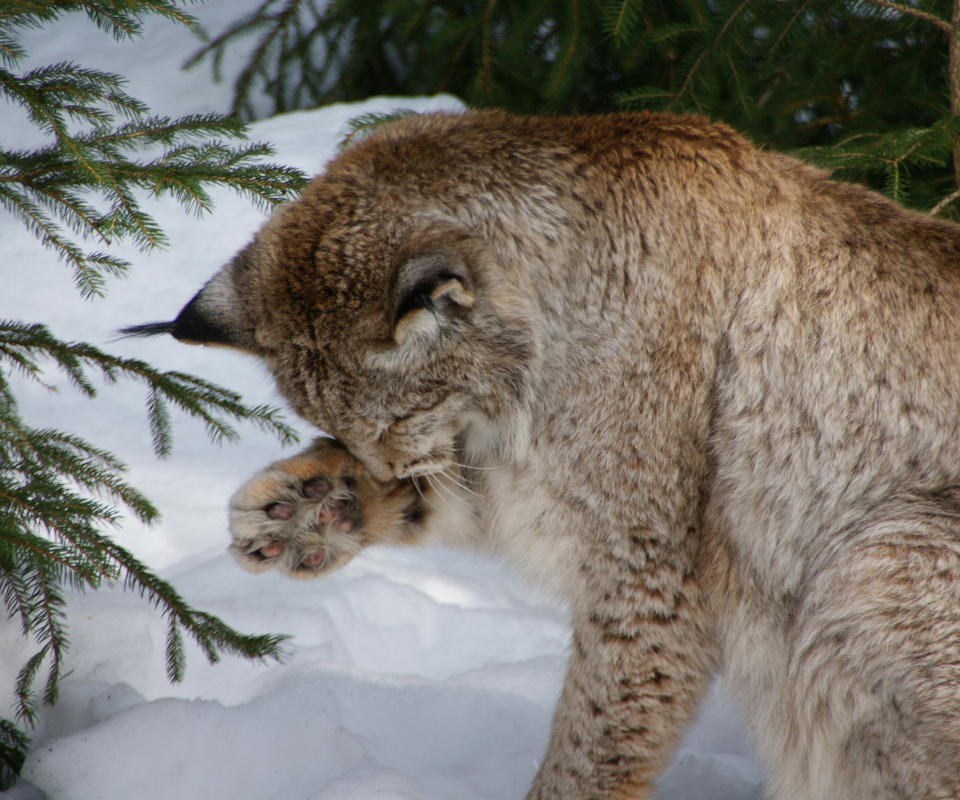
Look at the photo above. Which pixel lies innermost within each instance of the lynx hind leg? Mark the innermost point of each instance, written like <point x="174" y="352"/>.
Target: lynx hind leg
<point x="312" y="513"/>
<point x="875" y="673"/>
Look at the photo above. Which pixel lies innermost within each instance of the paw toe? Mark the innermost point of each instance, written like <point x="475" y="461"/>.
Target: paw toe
<point x="281" y="511"/>
<point x="272" y="550"/>
<point x="314" y="559"/>
<point x="316" y="488"/>
<point x="301" y="517"/>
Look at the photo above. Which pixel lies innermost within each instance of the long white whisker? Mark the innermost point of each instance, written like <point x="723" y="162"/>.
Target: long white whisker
<point x="452" y="478"/>
<point x="471" y="466"/>
<point x="416" y="485"/>
<point x="443" y="499"/>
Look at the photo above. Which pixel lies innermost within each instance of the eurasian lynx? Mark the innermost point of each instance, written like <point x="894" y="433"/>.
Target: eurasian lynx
<point x="705" y="393"/>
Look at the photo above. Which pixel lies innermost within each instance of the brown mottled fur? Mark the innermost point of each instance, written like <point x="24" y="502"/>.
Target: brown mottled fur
<point x="706" y="394"/>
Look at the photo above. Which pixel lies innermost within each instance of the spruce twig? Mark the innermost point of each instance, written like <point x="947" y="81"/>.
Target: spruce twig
<point x="102" y="158"/>
<point x="910" y="11"/>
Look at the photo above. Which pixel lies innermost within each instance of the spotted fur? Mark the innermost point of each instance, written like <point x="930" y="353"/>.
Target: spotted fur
<point x="707" y="395"/>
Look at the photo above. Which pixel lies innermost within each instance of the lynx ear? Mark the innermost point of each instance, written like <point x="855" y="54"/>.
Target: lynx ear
<point x="428" y="289"/>
<point x="212" y="317"/>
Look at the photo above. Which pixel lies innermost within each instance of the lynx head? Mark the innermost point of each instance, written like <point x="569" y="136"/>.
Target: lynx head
<point x="386" y="317"/>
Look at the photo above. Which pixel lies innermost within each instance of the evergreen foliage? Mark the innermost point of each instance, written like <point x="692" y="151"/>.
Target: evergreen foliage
<point x="58" y="493"/>
<point x="860" y="86"/>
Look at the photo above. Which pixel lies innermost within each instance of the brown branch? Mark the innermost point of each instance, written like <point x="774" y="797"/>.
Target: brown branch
<point x="953" y="43"/>
<point x="696" y="64"/>
<point x="485" y="58"/>
<point x="935" y="211"/>
<point x="933" y="19"/>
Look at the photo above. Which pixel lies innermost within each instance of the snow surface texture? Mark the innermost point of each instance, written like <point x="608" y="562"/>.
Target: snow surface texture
<point x="427" y="675"/>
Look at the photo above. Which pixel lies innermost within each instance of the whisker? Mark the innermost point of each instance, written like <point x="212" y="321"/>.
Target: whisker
<point x="452" y="478"/>
<point x="416" y="486"/>
<point x="443" y="499"/>
<point x="471" y="466"/>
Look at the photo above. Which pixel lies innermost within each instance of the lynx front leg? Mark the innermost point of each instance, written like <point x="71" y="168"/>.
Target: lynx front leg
<point x="641" y="660"/>
<point x="312" y="513"/>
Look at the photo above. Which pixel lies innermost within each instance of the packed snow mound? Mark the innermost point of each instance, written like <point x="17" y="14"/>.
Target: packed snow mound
<point x="415" y="675"/>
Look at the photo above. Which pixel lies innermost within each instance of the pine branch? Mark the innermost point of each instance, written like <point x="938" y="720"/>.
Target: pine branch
<point x="13" y="752"/>
<point x="86" y="466"/>
<point x="621" y="19"/>
<point x="35" y="468"/>
<point x="947" y="201"/>
<point x="24" y="344"/>
<point x="61" y="176"/>
<point x="724" y="28"/>
<point x="58" y="492"/>
<point x="485" y="78"/>
<point x="573" y="54"/>
<point x="792" y="25"/>
<point x="362" y="126"/>
<point x="214" y="637"/>
<point x="198" y="398"/>
<point x="88" y="268"/>
<point x="47" y="618"/>
<point x="185" y="171"/>
<point x="33" y="496"/>
<point x="909" y="11"/>
<point x="276" y="21"/>
<point x="122" y="21"/>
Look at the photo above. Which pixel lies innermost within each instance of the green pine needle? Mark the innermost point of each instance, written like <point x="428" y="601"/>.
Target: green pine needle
<point x="104" y="156"/>
<point x="363" y="125"/>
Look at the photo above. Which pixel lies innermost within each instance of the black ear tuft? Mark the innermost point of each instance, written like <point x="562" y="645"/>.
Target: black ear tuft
<point x="191" y="326"/>
<point x="202" y="322"/>
<point x="211" y="318"/>
<point x="150" y="329"/>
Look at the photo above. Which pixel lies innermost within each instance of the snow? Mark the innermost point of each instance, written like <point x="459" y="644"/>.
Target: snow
<point x="427" y="675"/>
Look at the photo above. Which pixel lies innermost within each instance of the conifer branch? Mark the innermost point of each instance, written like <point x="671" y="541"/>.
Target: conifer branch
<point x="13" y="751"/>
<point x="486" y="46"/>
<point x="724" y="28"/>
<point x="359" y="127"/>
<point x="101" y="151"/>
<point x="947" y="201"/>
<point x="622" y="20"/>
<point x="96" y="161"/>
<point x="909" y="11"/>
<point x="571" y="51"/>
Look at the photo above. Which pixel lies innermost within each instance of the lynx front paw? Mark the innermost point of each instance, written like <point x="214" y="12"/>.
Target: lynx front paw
<point x="303" y="515"/>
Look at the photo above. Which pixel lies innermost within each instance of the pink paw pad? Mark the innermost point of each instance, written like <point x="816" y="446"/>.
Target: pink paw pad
<point x="273" y="549"/>
<point x="281" y="511"/>
<point x="335" y="514"/>
<point x="326" y="498"/>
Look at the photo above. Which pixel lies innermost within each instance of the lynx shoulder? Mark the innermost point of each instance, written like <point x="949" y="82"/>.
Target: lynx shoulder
<point x="706" y="394"/>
